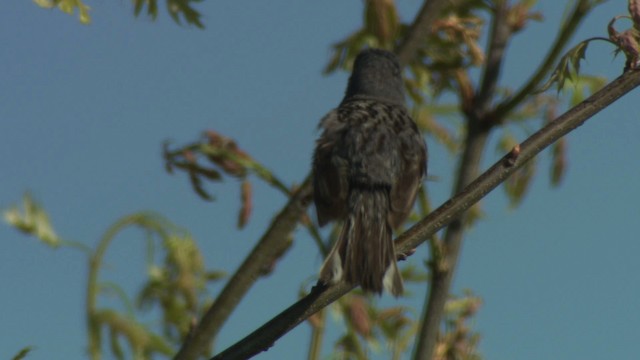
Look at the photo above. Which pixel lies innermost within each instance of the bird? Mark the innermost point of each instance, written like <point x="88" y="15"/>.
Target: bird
<point x="368" y="165"/>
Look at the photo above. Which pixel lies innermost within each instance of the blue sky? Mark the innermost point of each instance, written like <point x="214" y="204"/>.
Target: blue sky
<point x="84" y="111"/>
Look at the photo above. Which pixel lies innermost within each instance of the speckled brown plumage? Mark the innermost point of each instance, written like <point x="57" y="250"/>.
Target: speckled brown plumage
<point x="368" y="165"/>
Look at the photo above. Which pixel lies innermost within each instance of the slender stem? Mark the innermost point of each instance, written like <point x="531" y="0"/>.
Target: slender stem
<point x="500" y="35"/>
<point x="565" y="33"/>
<point x="249" y="163"/>
<point x="92" y="282"/>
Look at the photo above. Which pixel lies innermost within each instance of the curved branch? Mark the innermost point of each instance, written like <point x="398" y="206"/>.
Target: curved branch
<point x="95" y="261"/>
<point x="321" y="296"/>
<point x="270" y="247"/>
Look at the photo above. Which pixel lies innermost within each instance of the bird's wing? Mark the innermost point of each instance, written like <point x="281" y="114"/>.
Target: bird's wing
<point x="330" y="186"/>
<point x="413" y="155"/>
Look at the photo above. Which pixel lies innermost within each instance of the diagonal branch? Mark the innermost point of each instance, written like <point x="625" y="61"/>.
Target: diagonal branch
<point x="270" y="247"/>
<point x="321" y="296"/>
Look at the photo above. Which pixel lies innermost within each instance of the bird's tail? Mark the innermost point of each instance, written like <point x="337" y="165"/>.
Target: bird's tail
<point x="364" y="253"/>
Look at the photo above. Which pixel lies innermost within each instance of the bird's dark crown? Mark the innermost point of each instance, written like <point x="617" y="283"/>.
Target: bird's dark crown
<point x="376" y="74"/>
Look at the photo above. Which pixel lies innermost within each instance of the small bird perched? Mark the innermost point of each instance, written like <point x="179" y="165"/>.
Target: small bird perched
<point x="367" y="167"/>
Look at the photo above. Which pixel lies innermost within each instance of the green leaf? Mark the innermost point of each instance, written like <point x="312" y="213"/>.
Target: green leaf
<point x="116" y="348"/>
<point x="517" y="184"/>
<point x="139" y="337"/>
<point x="558" y="162"/>
<point x="196" y="183"/>
<point x="215" y="275"/>
<point x="84" y="15"/>
<point x="584" y="86"/>
<point x="47" y="4"/>
<point x="152" y="7"/>
<point x="68" y="6"/>
<point x="183" y="7"/>
<point x="412" y="273"/>
<point x="33" y="221"/>
<point x="577" y="55"/>
<point x="22" y="353"/>
<point x="568" y="67"/>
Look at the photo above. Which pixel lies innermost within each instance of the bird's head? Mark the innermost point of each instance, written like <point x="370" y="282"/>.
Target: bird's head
<point x="376" y="74"/>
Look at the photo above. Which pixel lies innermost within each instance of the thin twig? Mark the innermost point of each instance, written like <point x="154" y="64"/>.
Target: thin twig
<point x="321" y="296"/>
<point x="500" y="35"/>
<point x="565" y="33"/>
<point x="419" y="30"/>
<point x="95" y="262"/>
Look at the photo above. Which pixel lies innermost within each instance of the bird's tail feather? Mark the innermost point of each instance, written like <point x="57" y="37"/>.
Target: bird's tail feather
<point x="364" y="253"/>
